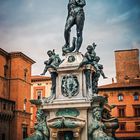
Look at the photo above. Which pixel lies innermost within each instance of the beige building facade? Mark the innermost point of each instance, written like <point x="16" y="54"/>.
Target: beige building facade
<point x="41" y="87"/>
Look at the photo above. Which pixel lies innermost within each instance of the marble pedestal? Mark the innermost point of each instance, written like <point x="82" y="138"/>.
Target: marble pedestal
<point x="71" y="102"/>
<point x="80" y="132"/>
<point x="74" y="112"/>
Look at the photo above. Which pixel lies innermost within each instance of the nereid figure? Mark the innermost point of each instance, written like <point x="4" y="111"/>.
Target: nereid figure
<point x="53" y="62"/>
<point x="96" y="129"/>
<point x="41" y="129"/>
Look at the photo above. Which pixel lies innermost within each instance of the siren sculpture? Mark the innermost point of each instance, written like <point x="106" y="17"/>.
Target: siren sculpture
<point x="41" y="129"/>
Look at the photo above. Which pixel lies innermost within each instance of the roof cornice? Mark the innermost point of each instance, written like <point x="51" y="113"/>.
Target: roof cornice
<point x="20" y="54"/>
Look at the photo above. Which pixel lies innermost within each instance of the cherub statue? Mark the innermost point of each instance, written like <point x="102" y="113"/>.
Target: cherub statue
<point x="99" y="67"/>
<point x="52" y="63"/>
<point x="89" y="59"/>
<point x="89" y="56"/>
<point x="95" y="76"/>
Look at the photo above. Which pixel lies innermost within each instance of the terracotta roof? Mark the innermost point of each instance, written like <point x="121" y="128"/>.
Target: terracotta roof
<point x="36" y="78"/>
<point x="121" y="85"/>
<point x="16" y="54"/>
<point x="3" y="52"/>
<point x="127" y="50"/>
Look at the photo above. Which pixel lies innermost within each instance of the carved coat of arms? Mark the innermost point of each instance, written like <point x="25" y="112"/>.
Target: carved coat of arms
<point x="69" y="86"/>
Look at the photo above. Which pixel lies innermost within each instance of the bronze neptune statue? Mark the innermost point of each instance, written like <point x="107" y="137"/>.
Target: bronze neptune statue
<point x="76" y="17"/>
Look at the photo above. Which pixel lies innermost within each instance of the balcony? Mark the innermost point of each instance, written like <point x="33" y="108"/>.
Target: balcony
<point x="7" y="108"/>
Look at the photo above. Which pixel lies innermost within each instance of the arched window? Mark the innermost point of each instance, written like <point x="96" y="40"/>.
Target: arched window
<point x="120" y="97"/>
<point x="25" y="74"/>
<point x="24" y="106"/>
<point x="136" y="96"/>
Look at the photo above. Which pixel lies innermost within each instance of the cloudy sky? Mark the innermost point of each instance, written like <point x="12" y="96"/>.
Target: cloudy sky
<point x="35" y="26"/>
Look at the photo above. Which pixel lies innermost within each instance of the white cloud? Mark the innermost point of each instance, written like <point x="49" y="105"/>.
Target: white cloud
<point x="123" y="17"/>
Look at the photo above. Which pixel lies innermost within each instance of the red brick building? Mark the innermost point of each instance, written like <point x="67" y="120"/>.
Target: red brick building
<point x="41" y="87"/>
<point x="15" y="88"/>
<point x="125" y="94"/>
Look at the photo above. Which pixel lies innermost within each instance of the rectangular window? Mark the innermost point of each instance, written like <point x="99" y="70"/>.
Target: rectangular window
<point x="5" y="70"/>
<point x="25" y="74"/>
<point x="24" y="132"/>
<point x="136" y="96"/>
<point x="137" y="124"/>
<point x="121" y="112"/>
<point x="39" y="94"/>
<point x="122" y="126"/>
<point x="120" y="97"/>
<point x="24" y="104"/>
<point x="4" y="106"/>
<point x="137" y="111"/>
